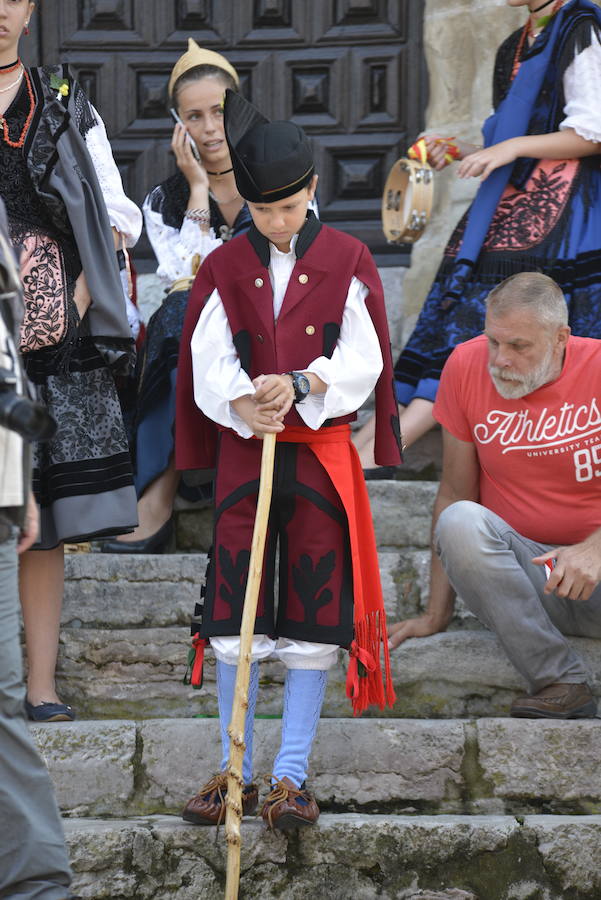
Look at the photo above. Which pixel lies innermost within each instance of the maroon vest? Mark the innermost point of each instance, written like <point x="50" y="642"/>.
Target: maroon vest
<point x="308" y="325"/>
<point x="309" y="322"/>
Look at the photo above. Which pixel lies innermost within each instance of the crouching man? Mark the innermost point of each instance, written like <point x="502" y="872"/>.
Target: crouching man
<point x="517" y="519"/>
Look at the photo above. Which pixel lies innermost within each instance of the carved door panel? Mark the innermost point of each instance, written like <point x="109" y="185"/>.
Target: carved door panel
<point x="351" y="72"/>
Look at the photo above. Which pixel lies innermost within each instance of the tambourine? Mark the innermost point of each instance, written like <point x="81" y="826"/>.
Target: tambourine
<point x="407" y="201"/>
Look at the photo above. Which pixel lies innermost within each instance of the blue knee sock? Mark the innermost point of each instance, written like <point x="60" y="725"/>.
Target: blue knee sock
<point x="226" y="682"/>
<point x="303" y="699"/>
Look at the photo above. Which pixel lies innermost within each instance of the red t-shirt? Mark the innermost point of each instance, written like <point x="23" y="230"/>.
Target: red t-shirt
<point x="540" y="456"/>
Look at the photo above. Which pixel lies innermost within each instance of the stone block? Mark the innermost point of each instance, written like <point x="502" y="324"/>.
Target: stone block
<point x="91" y="764"/>
<point x="124" y="673"/>
<point x="550" y="763"/>
<point x="104" y="591"/>
<point x="465" y="673"/>
<point x="402" y="512"/>
<point x="378" y="765"/>
<point x="451" y="66"/>
<point x="570" y="847"/>
<point x="415" y="762"/>
<point x="123" y="591"/>
<point x="392" y="281"/>
<point x="194" y="529"/>
<point x="358" y="856"/>
<point x="137" y="673"/>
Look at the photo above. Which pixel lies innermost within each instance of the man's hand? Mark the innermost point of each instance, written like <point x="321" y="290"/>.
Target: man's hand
<point x="421" y="626"/>
<point x="577" y="570"/>
<point x="29" y="531"/>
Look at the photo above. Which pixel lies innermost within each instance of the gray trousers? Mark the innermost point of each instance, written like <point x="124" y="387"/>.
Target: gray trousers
<point x="33" y="858"/>
<point x="489" y="565"/>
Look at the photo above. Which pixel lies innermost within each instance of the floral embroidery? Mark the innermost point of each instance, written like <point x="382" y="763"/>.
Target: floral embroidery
<point x="525" y="217"/>
<point x="44" y="290"/>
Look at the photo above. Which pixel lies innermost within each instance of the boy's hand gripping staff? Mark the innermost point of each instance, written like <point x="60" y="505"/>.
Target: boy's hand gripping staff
<point x="233" y="814"/>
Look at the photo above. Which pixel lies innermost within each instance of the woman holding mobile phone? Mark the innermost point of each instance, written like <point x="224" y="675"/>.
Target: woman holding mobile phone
<point x="186" y="217"/>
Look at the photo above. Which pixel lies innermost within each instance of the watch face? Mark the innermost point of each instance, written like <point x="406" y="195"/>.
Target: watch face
<point x="302" y="384"/>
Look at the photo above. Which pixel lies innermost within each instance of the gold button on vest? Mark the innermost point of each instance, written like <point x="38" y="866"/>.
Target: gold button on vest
<point x="303" y="278"/>
<point x="258" y="282"/>
<point x="310" y="329"/>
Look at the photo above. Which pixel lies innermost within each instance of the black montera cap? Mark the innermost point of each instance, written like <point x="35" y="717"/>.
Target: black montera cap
<point x="271" y="160"/>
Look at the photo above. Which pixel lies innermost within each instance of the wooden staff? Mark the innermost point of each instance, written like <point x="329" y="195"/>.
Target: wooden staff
<point x="233" y="813"/>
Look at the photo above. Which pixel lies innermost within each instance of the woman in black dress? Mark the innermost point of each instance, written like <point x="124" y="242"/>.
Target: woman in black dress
<point x="63" y="196"/>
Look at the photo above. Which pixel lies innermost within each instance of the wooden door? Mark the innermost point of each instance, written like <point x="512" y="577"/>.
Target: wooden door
<point x="351" y="72"/>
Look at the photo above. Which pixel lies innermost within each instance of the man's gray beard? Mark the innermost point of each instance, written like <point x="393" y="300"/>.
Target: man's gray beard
<point x="516" y="386"/>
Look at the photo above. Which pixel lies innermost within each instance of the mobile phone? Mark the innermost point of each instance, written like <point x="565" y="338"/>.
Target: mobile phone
<point x="193" y="146"/>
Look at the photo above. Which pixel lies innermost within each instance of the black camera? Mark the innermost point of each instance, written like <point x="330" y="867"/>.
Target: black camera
<point x="31" y="420"/>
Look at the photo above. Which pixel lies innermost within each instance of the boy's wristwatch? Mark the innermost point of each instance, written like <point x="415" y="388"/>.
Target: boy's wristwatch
<point x="301" y="385"/>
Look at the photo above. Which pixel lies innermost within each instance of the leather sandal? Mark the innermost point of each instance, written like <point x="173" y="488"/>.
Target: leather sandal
<point x="287" y="806"/>
<point x="207" y="807"/>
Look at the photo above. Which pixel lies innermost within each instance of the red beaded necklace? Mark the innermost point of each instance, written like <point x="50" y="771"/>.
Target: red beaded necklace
<point x="5" y="135"/>
<point x="528" y="32"/>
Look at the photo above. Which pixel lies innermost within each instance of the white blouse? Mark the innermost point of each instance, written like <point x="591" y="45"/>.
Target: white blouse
<point x="351" y="373"/>
<point x="582" y="90"/>
<point x="123" y="213"/>
<point x="174" y="248"/>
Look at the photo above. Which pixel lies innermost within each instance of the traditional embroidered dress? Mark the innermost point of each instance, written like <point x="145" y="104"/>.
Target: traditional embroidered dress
<point x="539" y="215"/>
<point x="82" y="478"/>
<point x="329" y="583"/>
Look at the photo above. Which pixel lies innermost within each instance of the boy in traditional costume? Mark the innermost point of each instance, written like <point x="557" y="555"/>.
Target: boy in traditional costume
<point x="291" y="296"/>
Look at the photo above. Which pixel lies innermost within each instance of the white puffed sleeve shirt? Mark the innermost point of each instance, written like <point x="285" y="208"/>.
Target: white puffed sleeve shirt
<point x="582" y="91"/>
<point x="350" y="375"/>
<point x="123" y="213"/>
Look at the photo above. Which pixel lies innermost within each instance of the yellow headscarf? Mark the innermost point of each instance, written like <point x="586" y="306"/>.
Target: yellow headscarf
<point x="199" y="56"/>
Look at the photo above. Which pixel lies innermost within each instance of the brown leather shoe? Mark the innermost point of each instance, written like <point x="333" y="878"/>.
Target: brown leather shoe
<point x="557" y="701"/>
<point x="287" y="806"/>
<point x="207" y="807"/>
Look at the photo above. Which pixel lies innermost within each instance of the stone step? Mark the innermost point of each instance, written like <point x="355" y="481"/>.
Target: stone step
<point x="401" y="511"/>
<point x="133" y="591"/>
<point x="128" y="590"/>
<point x="485" y="766"/>
<point x="137" y="673"/>
<point x="344" y="856"/>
